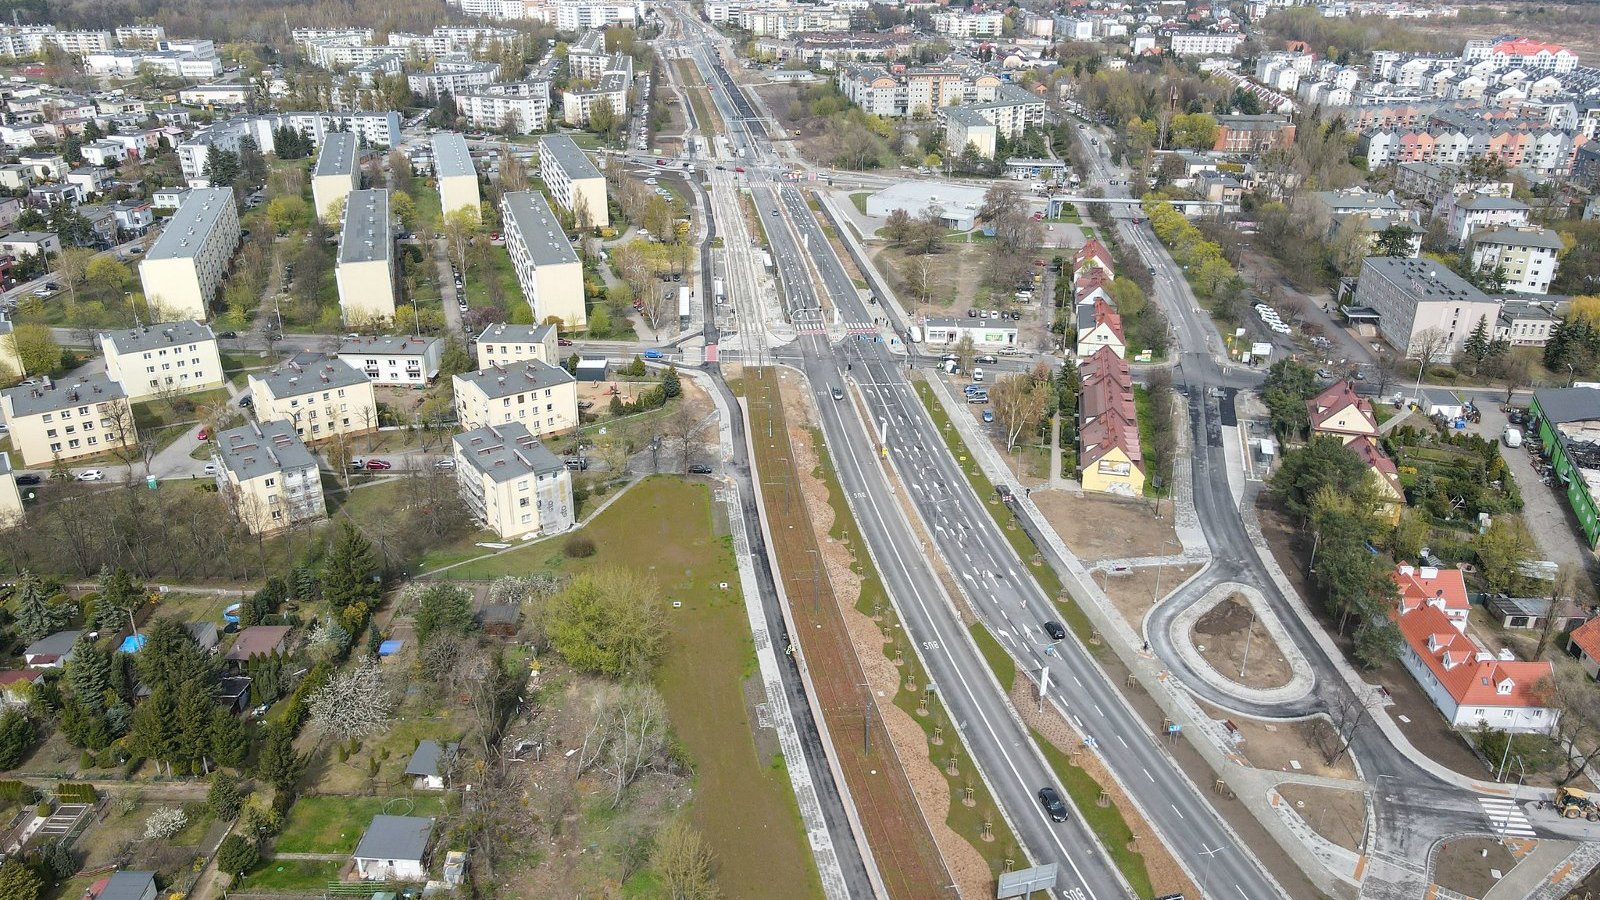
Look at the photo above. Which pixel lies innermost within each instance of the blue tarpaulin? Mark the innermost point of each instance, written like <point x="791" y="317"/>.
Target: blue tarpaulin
<point x="132" y="643"/>
<point x="390" y="648"/>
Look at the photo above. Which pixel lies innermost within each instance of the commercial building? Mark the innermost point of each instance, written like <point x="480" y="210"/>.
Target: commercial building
<point x="539" y="396"/>
<point x="574" y="181"/>
<point x="512" y="483"/>
<point x="163" y="360"/>
<point x="944" y="333"/>
<point x="1526" y="323"/>
<point x="321" y="396"/>
<point x="957" y="204"/>
<point x="1525" y="255"/>
<point x="335" y="175"/>
<point x="404" y="359"/>
<point x="268" y="476"/>
<point x="78" y="416"/>
<point x="547" y="267"/>
<point x="1416" y="300"/>
<point x="1569" y="429"/>
<point x="502" y="345"/>
<point x="183" y="268"/>
<point x="228" y="94"/>
<point x="366" y="269"/>
<point x="458" y="179"/>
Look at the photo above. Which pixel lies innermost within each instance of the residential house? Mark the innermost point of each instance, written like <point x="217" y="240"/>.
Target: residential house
<point x="1443" y="588"/>
<point x="512" y="483"/>
<point x="1525" y="255"/>
<point x="257" y="640"/>
<point x="1099" y="325"/>
<point x="1342" y="413"/>
<point x="402" y="359"/>
<point x="164" y="360"/>
<point x="365" y="273"/>
<point x="1468" y="214"/>
<point x="126" y="885"/>
<point x="542" y="397"/>
<point x="1470" y="686"/>
<point x="1385" y="476"/>
<point x="1584" y="643"/>
<point x="394" y="848"/>
<point x="17" y="687"/>
<point x="324" y="397"/>
<point x="505" y="345"/>
<point x="82" y="415"/>
<point x="51" y="652"/>
<point x="11" y="514"/>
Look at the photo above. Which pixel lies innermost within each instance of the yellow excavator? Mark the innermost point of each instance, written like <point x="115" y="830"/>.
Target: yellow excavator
<point x="1573" y="803"/>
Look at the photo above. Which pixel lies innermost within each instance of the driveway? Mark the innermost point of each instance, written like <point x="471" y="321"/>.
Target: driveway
<point x="1544" y="508"/>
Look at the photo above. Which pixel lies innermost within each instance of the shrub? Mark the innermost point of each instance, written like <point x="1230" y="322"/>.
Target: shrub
<point x="236" y="855"/>
<point x="578" y="546"/>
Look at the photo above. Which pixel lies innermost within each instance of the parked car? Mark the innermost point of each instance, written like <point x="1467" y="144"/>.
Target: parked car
<point x="378" y="465"/>
<point x="988" y="415"/>
<point x="246" y="402"/>
<point x="699" y="469"/>
<point x="977" y="374"/>
<point x="986" y="359"/>
<point x="211" y="468"/>
<point x="91" y="475"/>
<point x="446" y="464"/>
<point x="204" y="434"/>
<point x="563" y="342"/>
<point x="228" y="335"/>
<point x="28" y="478"/>
<point x="1053" y="806"/>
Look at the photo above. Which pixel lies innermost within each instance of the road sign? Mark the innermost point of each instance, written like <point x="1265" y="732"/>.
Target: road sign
<point x="1023" y="882"/>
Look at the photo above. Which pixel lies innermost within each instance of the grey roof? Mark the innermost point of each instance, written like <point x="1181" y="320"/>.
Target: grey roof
<point x="1526" y="309"/>
<point x="1480" y="202"/>
<point x="204" y="633"/>
<point x="967" y="116"/>
<point x="263" y="448"/>
<point x="395" y="837"/>
<point x="1012" y="95"/>
<point x="1427" y="279"/>
<point x="307" y="373"/>
<point x="28" y="237"/>
<point x="1441" y="396"/>
<point x="58" y="644"/>
<point x="505" y="452"/>
<point x="508" y="381"/>
<point x="1030" y="161"/>
<point x="528" y="217"/>
<point x="338" y="155"/>
<point x="430" y="760"/>
<point x="1560" y="405"/>
<point x="128" y="886"/>
<point x="389" y="345"/>
<point x="506" y="332"/>
<point x="74" y="390"/>
<point x="5" y="463"/>
<point x="188" y="227"/>
<point x="1356" y="200"/>
<point x="1520" y="237"/>
<point x="365" y="237"/>
<point x="151" y="337"/>
<point x="451" y="156"/>
<point x="567" y="155"/>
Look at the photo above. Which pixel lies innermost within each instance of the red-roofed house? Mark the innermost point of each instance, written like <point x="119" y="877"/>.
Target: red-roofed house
<point x="16" y="686"/>
<point x="1585" y="643"/>
<point x="1340" y="412"/>
<point x="1469" y="685"/>
<point x="1099" y="325"/>
<point x="1093" y="284"/>
<point x="1092" y="254"/>
<point x="1444" y="589"/>
<point x="1109" y="460"/>
<point x="1385" y="475"/>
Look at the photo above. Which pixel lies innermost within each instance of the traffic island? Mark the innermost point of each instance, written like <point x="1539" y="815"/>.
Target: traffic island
<point x="1230" y="612"/>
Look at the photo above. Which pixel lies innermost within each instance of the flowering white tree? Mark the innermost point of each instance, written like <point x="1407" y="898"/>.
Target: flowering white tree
<point x="164" y="824"/>
<point x="353" y="703"/>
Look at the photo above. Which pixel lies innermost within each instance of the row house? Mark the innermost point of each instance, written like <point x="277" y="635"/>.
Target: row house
<point x="1109" y="456"/>
<point x="1544" y="153"/>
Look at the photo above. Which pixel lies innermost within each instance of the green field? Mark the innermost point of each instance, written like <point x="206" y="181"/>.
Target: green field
<point x="334" y="824"/>
<point x="289" y="875"/>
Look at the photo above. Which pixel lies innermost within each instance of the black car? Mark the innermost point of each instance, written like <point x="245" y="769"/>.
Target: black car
<point x="1051" y="801"/>
<point x="29" y="478"/>
<point x="699" y="469"/>
<point x="227" y="335"/>
<point x="1056" y="632"/>
<point x="246" y="402"/>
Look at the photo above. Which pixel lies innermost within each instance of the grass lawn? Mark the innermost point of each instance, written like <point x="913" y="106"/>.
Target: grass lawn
<point x="193" y="606"/>
<point x="859" y="198"/>
<point x="334" y="824"/>
<point x="161" y="412"/>
<point x="415" y="721"/>
<point x="425" y="196"/>
<point x="290" y="875"/>
<point x="499" y="268"/>
<point x="1147" y="432"/>
<point x="1000" y="662"/>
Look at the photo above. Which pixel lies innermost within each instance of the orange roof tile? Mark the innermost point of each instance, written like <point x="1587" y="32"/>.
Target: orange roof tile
<point x="1587" y="637"/>
<point x="1468" y="681"/>
<point x="1420" y="585"/>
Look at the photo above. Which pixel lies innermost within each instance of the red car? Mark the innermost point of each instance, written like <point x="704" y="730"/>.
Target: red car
<point x="205" y="434"/>
<point x="738" y="168"/>
<point x="563" y="342"/>
<point x="661" y="162"/>
<point x="377" y="465"/>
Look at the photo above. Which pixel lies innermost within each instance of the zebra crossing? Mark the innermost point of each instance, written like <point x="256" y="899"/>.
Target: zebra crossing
<point x="861" y="328"/>
<point x="1506" y="817"/>
<point x="810" y="328"/>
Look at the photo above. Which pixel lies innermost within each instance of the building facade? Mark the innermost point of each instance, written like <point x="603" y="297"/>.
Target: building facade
<point x="182" y="270"/>
<point x="502" y="345"/>
<point x="458" y="178"/>
<point x="320" y="396"/>
<point x="335" y="175"/>
<point x="269" y="478"/>
<point x="512" y="483"/>
<point x="1420" y="299"/>
<point x="366" y="268"/>
<point x="404" y="360"/>
<point x="574" y="181"/>
<point x="541" y="397"/>
<point x="548" y="269"/>
<point x="78" y="416"/>
<point x="163" y="360"/>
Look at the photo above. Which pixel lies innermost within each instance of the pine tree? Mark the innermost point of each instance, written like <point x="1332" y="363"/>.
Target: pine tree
<point x="170" y="658"/>
<point x="223" y="798"/>
<point x="278" y="763"/>
<point x="230" y="741"/>
<point x="120" y="595"/>
<point x="89" y="674"/>
<point x="18" y="882"/>
<point x="349" y="570"/>
<point x="37" y="617"/>
<point x="156" y="726"/>
<point x="16" y="738"/>
<point x="670" y="387"/>
<point x="194" y="717"/>
<point x="374" y="640"/>
<point x="1476" y="348"/>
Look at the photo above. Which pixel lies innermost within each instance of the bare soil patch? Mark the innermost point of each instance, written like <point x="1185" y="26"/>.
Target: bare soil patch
<point x="1467" y="866"/>
<point x="1226" y="632"/>
<point x="1098" y="528"/>
<point x="1337" y="815"/>
<point x="1134" y="594"/>
<point x="1278" y="746"/>
<point x="953" y="277"/>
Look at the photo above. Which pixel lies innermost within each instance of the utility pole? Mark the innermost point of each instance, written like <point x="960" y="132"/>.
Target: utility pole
<point x="1249" y="629"/>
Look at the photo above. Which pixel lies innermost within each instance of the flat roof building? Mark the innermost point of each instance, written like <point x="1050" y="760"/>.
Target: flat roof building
<point x="458" y="179"/>
<point x="323" y="397"/>
<point x="507" y="345"/>
<point x="163" y="360"/>
<point x="269" y="477"/>
<point x="403" y="359"/>
<point x="78" y="416"/>
<point x="335" y="175"/>
<point x="512" y="483"/>
<point x="574" y="181"/>
<point x="366" y="270"/>
<point x="1418" y="300"/>
<point x="182" y="270"/>
<point x="547" y="267"/>
<point x="535" y="394"/>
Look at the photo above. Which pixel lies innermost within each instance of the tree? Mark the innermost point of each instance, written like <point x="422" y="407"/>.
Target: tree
<point x="460" y="225"/>
<point x="1347" y="715"/>
<point x="1476" y="349"/>
<point x="685" y="428"/>
<point x="1577" y="732"/>
<point x="278" y="764"/>
<point x="626" y="735"/>
<point x="671" y="387"/>
<point x="1305" y="472"/>
<point x="966" y="352"/>
<point x="1019" y="403"/>
<point x="230" y="741"/>
<point x="443" y="608"/>
<point x="1289" y="384"/>
<point x="221" y="166"/>
<point x="165" y="823"/>
<point x="1432" y="346"/>
<point x="404" y="209"/>
<point x="610" y="622"/>
<point x="236" y="855"/>
<point x="252" y="164"/>
<point x="286" y="212"/>
<point x="37" y="617"/>
<point x="89" y="673"/>
<point x="350" y="572"/>
<point x="71" y="263"/>
<point x="107" y="276"/>
<point x="224" y="798"/>
<point x="37" y="349"/>
<point x="18" y="882"/>
<point x="684" y="863"/>
<point x="352" y="704"/>
<point x="1502" y="550"/>
<point x="1394" y="242"/>
<point x="16" y="739"/>
<point x="120" y="597"/>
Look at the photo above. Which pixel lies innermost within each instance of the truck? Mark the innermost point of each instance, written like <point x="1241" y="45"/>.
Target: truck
<point x="684" y="297"/>
<point x="716" y="284"/>
<point x="766" y="260"/>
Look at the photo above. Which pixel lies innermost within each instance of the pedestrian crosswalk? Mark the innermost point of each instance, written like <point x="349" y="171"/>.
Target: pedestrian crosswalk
<point x="1506" y="817"/>
<point x="861" y="328"/>
<point x="810" y="328"/>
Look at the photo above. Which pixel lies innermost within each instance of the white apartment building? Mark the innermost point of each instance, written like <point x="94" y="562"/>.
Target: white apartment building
<point x="458" y="179"/>
<point x="140" y="37"/>
<point x="321" y="396"/>
<point x="80" y="415"/>
<point x="513" y="484"/>
<point x="1526" y="255"/>
<point x="502" y="345"/>
<point x="335" y="174"/>
<point x="1467" y="214"/>
<point x="541" y="397"/>
<point x="547" y="268"/>
<point x="577" y="106"/>
<point x="586" y="56"/>
<point x="574" y="181"/>
<point x="965" y="127"/>
<point x="375" y="130"/>
<point x="454" y="73"/>
<point x="176" y="63"/>
<point x="163" y="360"/>
<point x="1013" y="110"/>
<point x="396" y="359"/>
<point x="523" y="107"/>
<point x="365" y="272"/>
<point x="573" y="16"/>
<point x="968" y="24"/>
<point x="1206" y="43"/>
<point x="182" y="270"/>
<point x="268" y="476"/>
<point x="30" y="40"/>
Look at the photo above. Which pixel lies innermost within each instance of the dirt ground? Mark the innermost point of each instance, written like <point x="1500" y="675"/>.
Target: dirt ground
<point x="1335" y="814"/>
<point x="1219" y="635"/>
<point x="1464" y="865"/>
<point x="954" y="276"/>
<point x="1108" y="527"/>
<point x="1134" y="593"/>
<point x="1279" y="745"/>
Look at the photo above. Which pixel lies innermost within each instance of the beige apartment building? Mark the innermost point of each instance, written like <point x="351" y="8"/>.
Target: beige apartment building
<point x="269" y="477"/>
<point x="547" y="267"/>
<point x="10" y="359"/>
<point x="322" y="397"/>
<point x="452" y="166"/>
<point x="163" y="360"/>
<point x="513" y="484"/>
<point x="574" y="181"/>
<point x="335" y="175"/>
<point x="538" y="395"/>
<point x="182" y="270"/>
<point x="10" y="497"/>
<point x="78" y="416"/>
<point x="506" y="345"/>
<point x="365" y="271"/>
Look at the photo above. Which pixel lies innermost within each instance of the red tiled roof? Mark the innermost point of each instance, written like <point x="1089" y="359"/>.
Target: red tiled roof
<point x="1470" y="682"/>
<point x="258" y="640"/>
<point x="1373" y="458"/>
<point x="1108" y="433"/>
<point x="1092" y="277"/>
<point x="1093" y="249"/>
<point x="1445" y="585"/>
<point x="1527" y="47"/>
<point x="1107" y="315"/>
<point x="1334" y="399"/>
<point x="1587" y="637"/>
<point x="1104" y="363"/>
<point x="15" y="676"/>
<point x="1107" y="396"/>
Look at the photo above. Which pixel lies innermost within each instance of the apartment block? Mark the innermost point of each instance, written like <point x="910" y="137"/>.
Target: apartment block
<point x="268" y="476"/>
<point x="574" y="181"/>
<point x="965" y="127"/>
<point x="1206" y="43"/>
<point x="30" y="40"/>
<point x="366" y="269"/>
<point x="78" y="416"/>
<point x="163" y="360"/>
<point x="968" y="25"/>
<point x="335" y="175"/>
<point x="10" y="360"/>
<point x="374" y="130"/>
<point x="578" y="106"/>
<point x="183" y="268"/>
<point x="586" y="56"/>
<point x="521" y="107"/>
<point x="321" y="396"/>
<point x="1416" y="299"/>
<point x="458" y="180"/>
<point x="547" y="267"/>
<point x="512" y="483"/>
<point x="10" y="497"/>
<point x="572" y="16"/>
<point x="1526" y="255"/>
<point x="541" y="397"/>
<point x="454" y="73"/>
<point x="502" y="345"/>
<point x="405" y="359"/>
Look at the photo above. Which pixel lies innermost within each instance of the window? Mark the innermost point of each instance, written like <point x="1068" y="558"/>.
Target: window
<point x="271" y="482"/>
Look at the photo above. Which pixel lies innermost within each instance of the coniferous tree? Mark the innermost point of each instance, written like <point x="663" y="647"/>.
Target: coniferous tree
<point x="37" y="617"/>
<point x="349" y="571"/>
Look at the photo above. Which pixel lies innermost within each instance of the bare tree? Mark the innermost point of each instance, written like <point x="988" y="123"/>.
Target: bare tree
<point x="1560" y="603"/>
<point x="684" y="863"/>
<point x="1019" y="403"/>
<point x="1432" y="346"/>
<point x="353" y="703"/>
<point x="1346" y="716"/>
<point x="686" y="427"/>
<point x="965" y="352"/>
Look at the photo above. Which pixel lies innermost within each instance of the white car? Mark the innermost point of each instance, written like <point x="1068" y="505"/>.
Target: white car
<point x="211" y="468"/>
<point x="1281" y="328"/>
<point x="91" y="475"/>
